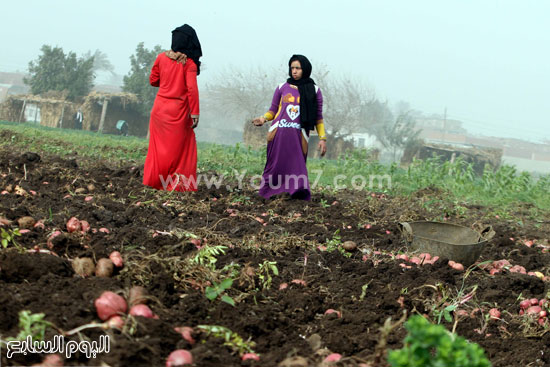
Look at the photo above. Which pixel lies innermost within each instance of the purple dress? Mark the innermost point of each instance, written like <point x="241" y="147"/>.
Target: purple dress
<point x="285" y="169"/>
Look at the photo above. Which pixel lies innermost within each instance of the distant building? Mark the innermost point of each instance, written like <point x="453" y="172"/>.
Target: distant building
<point x="11" y="84"/>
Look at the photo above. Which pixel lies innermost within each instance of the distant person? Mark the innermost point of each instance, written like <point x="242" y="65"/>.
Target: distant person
<point x="122" y="127"/>
<point x="78" y="118"/>
<point x="296" y="109"/>
<point x="171" y="162"/>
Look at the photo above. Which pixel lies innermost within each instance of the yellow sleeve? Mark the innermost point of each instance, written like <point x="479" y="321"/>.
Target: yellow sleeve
<point x="321" y="130"/>
<point x="269" y="115"/>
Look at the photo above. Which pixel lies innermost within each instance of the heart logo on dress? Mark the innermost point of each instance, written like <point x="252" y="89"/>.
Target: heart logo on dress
<point x="293" y="111"/>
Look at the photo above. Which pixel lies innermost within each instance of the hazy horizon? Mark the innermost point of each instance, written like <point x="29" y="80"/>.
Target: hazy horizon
<point x="485" y="63"/>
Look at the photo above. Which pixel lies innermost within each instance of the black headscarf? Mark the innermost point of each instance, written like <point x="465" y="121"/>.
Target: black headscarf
<point x="185" y="40"/>
<point x="306" y="87"/>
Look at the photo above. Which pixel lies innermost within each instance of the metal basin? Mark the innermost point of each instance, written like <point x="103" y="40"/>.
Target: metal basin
<point x="446" y="240"/>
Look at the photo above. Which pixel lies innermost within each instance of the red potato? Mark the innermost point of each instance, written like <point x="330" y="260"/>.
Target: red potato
<point x="104" y="230"/>
<point x="425" y="256"/>
<point x="518" y="269"/>
<point x="283" y="286"/>
<point x="179" y="357"/>
<point x="534" y="310"/>
<point x="73" y="225"/>
<point x="494" y="313"/>
<point x="542" y="302"/>
<point x="142" y="310"/>
<point x="456" y="266"/>
<point x="110" y="304"/>
<point x="252" y="356"/>
<point x="88" y="198"/>
<point x="116" y="258"/>
<point x="51" y="237"/>
<point x="331" y="311"/>
<point x="534" y="301"/>
<point x="299" y="281"/>
<point x="85" y="226"/>
<point x="187" y="333"/>
<point x="115" y="322"/>
<point x="39" y="224"/>
<point x="415" y="260"/>
<point x="402" y="257"/>
<point x="499" y="264"/>
<point x="543" y="313"/>
<point x="51" y="360"/>
<point x="525" y="304"/>
<point x="334" y="357"/>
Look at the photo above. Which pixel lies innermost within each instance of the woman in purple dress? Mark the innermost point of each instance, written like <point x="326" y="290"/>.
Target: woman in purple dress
<point x="296" y="109"/>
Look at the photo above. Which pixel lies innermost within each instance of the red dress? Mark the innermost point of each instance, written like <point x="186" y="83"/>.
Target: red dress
<point x="171" y="162"/>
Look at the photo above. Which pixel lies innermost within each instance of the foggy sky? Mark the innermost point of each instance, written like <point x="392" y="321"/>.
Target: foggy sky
<point x="486" y="62"/>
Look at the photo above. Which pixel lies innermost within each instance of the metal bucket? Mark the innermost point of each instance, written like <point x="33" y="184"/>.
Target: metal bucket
<point x="446" y="240"/>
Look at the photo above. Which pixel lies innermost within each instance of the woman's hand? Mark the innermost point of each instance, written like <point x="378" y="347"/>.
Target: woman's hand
<point x="195" y="122"/>
<point x="322" y="147"/>
<point x="179" y="57"/>
<point x="259" y="121"/>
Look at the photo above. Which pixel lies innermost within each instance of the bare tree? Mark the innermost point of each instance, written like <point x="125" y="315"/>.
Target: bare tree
<point x="243" y="93"/>
<point x="346" y="101"/>
<point x="247" y="93"/>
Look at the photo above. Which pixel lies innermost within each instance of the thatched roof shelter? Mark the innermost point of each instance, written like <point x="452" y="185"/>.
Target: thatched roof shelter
<point x="477" y="155"/>
<point x="102" y="111"/>
<point x="54" y="112"/>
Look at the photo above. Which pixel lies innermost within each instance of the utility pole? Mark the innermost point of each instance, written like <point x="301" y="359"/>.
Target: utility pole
<point x="445" y="124"/>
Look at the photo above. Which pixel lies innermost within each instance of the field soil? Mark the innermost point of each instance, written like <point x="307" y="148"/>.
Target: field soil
<point x="152" y="230"/>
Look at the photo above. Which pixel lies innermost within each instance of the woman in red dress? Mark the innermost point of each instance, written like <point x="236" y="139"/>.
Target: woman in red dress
<point x="171" y="162"/>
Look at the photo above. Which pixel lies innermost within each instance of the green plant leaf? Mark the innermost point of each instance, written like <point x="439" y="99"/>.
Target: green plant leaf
<point x="226" y="284"/>
<point x="227" y="299"/>
<point x="211" y="293"/>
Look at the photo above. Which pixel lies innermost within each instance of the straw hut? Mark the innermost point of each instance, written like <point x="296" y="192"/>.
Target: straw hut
<point x="54" y="111"/>
<point x="102" y="111"/>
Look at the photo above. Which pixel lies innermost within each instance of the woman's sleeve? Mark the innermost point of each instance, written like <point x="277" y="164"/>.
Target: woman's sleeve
<point x="319" y="104"/>
<point x="320" y="122"/>
<point x="192" y="89"/>
<point x="275" y="102"/>
<point x="154" y="77"/>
